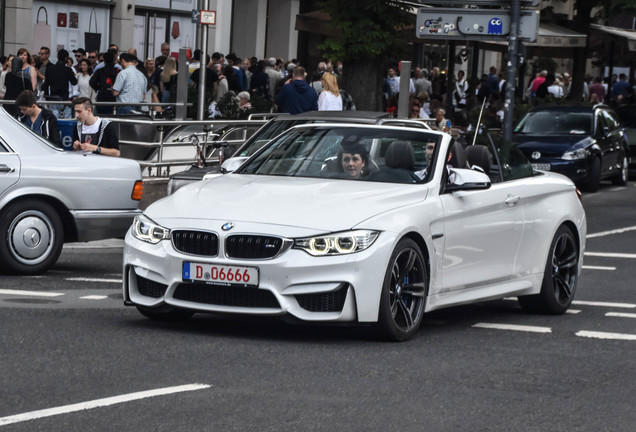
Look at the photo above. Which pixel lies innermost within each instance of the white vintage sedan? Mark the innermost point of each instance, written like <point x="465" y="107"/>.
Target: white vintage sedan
<point x="49" y="196"/>
<point x="362" y="224"/>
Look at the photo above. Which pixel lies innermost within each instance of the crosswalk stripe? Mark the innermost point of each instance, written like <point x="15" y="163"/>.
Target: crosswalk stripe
<point x="30" y="293"/>
<point x="515" y="327"/>
<point x="604" y="335"/>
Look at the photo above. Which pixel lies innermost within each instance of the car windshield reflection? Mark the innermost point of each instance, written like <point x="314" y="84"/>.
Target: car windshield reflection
<point x="556" y="123"/>
<point x="347" y="153"/>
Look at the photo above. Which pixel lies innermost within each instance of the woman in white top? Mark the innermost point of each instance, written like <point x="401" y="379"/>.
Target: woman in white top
<point x="83" y="77"/>
<point x="329" y="99"/>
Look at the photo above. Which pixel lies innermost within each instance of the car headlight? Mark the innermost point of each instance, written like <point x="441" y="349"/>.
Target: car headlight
<point x="146" y="230"/>
<point x="337" y="244"/>
<point x="576" y="154"/>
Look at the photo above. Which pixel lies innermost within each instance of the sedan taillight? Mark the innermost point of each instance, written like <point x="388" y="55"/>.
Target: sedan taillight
<point x="138" y="191"/>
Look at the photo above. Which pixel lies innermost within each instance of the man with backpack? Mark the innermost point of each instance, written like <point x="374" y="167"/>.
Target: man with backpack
<point x="102" y="82"/>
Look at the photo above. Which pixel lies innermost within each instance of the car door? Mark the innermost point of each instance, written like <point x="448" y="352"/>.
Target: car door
<point x="9" y="167"/>
<point x="482" y="231"/>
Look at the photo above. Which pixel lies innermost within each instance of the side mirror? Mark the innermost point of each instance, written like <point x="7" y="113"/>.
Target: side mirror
<point x="232" y="164"/>
<point x="462" y="179"/>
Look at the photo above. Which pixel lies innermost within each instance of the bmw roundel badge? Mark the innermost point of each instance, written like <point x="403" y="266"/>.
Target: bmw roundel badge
<point x="536" y="155"/>
<point x="227" y="226"/>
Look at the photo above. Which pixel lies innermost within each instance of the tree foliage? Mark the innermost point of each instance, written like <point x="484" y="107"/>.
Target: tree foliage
<point x="365" y="28"/>
<point x="368" y="36"/>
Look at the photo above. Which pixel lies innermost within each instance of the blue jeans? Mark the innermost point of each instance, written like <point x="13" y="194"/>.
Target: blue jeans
<point x="61" y="111"/>
<point x="124" y="110"/>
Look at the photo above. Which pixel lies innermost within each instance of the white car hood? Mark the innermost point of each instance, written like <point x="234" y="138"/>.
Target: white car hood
<point x="318" y="204"/>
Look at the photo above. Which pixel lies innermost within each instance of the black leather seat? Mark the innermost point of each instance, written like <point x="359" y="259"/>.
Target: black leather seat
<point x="399" y="161"/>
<point x="478" y="155"/>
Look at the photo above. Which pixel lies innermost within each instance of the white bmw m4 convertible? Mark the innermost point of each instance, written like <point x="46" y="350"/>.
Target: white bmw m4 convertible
<point x="361" y="224"/>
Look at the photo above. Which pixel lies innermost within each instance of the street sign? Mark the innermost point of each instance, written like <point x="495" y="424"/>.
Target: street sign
<point x="473" y="24"/>
<point x="196" y="16"/>
<point x="208" y="17"/>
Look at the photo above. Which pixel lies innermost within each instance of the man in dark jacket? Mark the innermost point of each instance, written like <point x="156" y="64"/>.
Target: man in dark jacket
<point x="39" y="120"/>
<point x="297" y="96"/>
<point x="56" y="83"/>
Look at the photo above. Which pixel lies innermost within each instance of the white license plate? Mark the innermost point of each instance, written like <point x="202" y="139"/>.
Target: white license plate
<point x="542" y="167"/>
<point x="217" y="274"/>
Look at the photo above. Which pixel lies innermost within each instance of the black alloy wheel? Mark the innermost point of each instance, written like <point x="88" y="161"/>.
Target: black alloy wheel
<point x="622" y="177"/>
<point x="404" y="290"/>
<point x="560" y="277"/>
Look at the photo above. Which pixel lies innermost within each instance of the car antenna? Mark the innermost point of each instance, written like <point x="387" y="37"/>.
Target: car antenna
<point x="479" y="121"/>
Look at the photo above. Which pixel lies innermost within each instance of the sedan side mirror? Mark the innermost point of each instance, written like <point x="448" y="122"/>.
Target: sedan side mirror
<point x="462" y="179"/>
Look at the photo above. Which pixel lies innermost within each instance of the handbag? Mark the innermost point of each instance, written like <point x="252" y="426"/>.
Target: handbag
<point x="61" y="19"/>
<point x="92" y="40"/>
<point x="41" y="31"/>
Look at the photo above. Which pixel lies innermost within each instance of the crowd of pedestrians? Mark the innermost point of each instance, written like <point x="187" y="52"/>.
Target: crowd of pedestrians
<point x="284" y="86"/>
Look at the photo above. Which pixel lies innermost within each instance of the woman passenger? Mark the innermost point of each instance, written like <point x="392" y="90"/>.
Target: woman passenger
<point x="352" y="160"/>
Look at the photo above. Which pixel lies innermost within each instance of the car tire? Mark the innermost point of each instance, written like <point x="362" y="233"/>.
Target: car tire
<point x="622" y="177"/>
<point x="31" y="237"/>
<point x="404" y="289"/>
<point x="165" y="313"/>
<point x="594" y="177"/>
<point x="560" y="276"/>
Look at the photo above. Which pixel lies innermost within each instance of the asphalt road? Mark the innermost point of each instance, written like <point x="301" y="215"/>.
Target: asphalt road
<point x="75" y="359"/>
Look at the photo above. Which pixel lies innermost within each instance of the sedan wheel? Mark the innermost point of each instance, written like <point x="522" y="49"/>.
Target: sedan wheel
<point x="560" y="278"/>
<point x="31" y="237"/>
<point x="403" y="292"/>
<point x="623" y="176"/>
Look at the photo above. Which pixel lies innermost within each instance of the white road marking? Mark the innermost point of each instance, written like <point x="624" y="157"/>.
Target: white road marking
<point x="30" y="293"/>
<point x="604" y="335"/>
<point x="81" y="279"/>
<point x="515" y="327"/>
<point x="573" y="311"/>
<point x="611" y="232"/>
<point x="605" y="304"/>
<point x="620" y="315"/>
<point x="97" y="403"/>
<point x="94" y="297"/>
<point x="610" y="255"/>
<point x="598" y="268"/>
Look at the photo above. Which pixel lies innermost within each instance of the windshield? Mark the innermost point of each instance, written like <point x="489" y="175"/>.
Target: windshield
<point x="348" y="153"/>
<point x="556" y="123"/>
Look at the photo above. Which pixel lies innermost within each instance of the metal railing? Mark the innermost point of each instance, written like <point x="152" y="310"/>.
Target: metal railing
<point x="150" y="112"/>
<point x="156" y="165"/>
<point x="215" y="131"/>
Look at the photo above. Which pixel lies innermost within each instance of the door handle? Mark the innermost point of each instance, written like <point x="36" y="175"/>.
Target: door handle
<point x="5" y="169"/>
<point x="512" y="200"/>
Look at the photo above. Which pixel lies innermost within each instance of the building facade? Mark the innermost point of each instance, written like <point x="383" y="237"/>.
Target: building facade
<point x="261" y="28"/>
